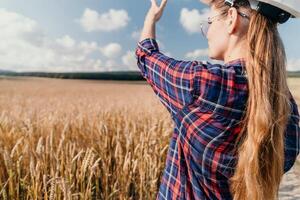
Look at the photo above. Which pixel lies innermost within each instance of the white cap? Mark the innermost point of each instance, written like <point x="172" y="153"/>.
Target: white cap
<point x="290" y="6"/>
<point x="280" y="10"/>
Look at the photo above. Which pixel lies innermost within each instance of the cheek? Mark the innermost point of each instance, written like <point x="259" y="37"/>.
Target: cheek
<point x="216" y="41"/>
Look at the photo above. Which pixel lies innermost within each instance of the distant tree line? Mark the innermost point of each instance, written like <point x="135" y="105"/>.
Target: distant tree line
<point x="116" y="75"/>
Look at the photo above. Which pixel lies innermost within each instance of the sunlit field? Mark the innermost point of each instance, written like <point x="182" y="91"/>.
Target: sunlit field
<point x="75" y="139"/>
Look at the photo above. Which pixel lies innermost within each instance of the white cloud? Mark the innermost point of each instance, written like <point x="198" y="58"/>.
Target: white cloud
<point x="136" y="34"/>
<point x="293" y="64"/>
<point x="88" y="47"/>
<point x="113" y="20"/>
<point x="196" y="54"/>
<point x="111" y="50"/>
<point x="129" y="60"/>
<point x="191" y="19"/>
<point x="66" y="41"/>
<point x="22" y="26"/>
<point x="168" y="54"/>
<point x="25" y="47"/>
<point x="111" y="64"/>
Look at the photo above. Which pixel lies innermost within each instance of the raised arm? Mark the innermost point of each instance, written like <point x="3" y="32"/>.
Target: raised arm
<point x="154" y="14"/>
<point x="173" y="81"/>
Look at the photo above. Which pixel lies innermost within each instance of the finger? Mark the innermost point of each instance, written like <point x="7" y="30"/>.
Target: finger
<point x="154" y="2"/>
<point x="163" y="4"/>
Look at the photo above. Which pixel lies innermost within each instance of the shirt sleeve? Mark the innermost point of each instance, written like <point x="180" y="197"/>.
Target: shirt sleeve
<point x="292" y="138"/>
<point x="172" y="80"/>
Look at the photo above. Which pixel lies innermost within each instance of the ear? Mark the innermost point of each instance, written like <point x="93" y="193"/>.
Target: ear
<point x="231" y="20"/>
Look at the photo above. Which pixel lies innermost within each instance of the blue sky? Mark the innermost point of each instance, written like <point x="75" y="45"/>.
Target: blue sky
<point x="101" y="35"/>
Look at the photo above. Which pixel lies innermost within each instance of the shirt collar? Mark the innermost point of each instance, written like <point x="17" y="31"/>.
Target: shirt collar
<point x="238" y="61"/>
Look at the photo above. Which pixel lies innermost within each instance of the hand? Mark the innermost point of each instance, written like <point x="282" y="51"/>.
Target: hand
<point x="155" y="12"/>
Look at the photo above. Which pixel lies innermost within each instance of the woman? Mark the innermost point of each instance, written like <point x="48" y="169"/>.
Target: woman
<point x="236" y="125"/>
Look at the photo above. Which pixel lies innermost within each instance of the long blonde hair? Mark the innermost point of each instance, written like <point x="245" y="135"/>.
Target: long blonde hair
<point x="260" y="150"/>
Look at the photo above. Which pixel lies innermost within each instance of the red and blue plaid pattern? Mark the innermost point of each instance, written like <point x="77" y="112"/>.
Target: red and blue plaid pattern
<point x="207" y="102"/>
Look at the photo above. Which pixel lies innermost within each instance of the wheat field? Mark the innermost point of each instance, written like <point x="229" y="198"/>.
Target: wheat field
<point x="75" y="139"/>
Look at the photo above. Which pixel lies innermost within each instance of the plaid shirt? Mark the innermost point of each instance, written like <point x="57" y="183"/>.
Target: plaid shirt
<point x="206" y="101"/>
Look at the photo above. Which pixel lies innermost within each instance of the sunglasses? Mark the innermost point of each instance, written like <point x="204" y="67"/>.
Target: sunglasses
<point x="205" y="24"/>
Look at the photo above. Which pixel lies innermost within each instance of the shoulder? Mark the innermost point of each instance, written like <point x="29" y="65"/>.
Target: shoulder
<point x="221" y="71"/>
